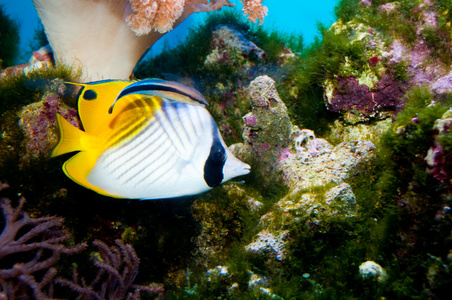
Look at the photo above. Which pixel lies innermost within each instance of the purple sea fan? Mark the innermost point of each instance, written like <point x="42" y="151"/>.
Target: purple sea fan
<point x="117" y="268"/>
<point x="28" y="247"/>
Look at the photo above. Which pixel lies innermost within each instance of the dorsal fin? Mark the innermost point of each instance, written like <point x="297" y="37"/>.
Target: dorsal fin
<point x="170" y="90"/>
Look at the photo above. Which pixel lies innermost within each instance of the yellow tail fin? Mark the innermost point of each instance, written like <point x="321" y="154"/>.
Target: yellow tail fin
<point x="70" y="138"/>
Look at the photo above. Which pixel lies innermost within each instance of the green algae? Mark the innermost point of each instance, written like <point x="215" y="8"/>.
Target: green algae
<point x="9" y="39"/>
<point x="332" y="250"/>
<point x="15" y="93"/>
<point x="399" y="174"/>
<point x="23" y="89"/>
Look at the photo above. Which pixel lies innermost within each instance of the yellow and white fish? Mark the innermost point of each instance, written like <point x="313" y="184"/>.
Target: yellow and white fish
<point x="150" y="139"/>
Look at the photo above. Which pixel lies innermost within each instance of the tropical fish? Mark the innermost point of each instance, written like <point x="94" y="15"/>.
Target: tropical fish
<point x="150" y="139"/>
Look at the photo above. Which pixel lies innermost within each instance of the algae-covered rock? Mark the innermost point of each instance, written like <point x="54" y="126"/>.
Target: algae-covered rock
<point x="230" y="46"/>
<point x="334" y="165"/>
<point x="268" y="243"/>
<point x="359" y="89"/>
<point x="222" y="220"/>
<point x="438" y="156"/>
<point x="38" y="123"/>
<point x="267" y="128"/>
<point x="29" y="121"/>
<point x="396" y="54"/>
<point x="311" y="209"/>
<point x="343" y="132"/>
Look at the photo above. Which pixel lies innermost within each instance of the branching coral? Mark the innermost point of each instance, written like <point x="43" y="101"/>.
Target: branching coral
<point x="162" y="14"/>
<point x="118" y="266"/>
<point x="39" y="242"/>
<point x="149" y="14"/>
<point x="30" y="249"/>
<point x="254" y="10"/>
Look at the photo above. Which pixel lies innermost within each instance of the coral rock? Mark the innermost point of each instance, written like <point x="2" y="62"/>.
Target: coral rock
<point x="38" y="122"/>
<point x="330" y="166"/>
<point x="267" y="127"/>
<point x="343" y="199"/>
<point x="230" y="46"/>
<point x="269" y="243"/>
<point x="358" y="103"/>
<point x="443" y="84"/>
<point x="438" y="159"/>
<point x="370" y="269"/>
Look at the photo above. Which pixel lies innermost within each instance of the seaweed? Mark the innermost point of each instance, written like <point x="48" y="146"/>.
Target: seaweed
<point x="9" y="40"/>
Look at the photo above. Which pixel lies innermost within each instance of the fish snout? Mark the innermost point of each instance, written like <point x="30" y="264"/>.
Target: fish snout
<point x="234" y="167"/>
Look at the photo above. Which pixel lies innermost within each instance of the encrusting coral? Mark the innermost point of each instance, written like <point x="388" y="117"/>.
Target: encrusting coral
<point x="106" y="38"/>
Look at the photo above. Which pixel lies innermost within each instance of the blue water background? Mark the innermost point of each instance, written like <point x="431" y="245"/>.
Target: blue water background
<point x="286" y="16"/>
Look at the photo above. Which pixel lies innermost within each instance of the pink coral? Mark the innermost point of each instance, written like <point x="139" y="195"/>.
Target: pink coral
<point x="149" y="14"/>
<point x="37" y="122"/>
<point x="29" y="250"/>
<point x="121" y="30"/>
<point x="161" y="15"/>
<point x="254" y="10"/>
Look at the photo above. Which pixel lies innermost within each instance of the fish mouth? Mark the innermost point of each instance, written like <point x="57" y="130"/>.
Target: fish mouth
<point x="234" y="167"/>
<point x="246" y="169"/>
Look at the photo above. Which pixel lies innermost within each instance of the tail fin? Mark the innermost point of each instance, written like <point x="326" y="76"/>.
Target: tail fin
<point x="70" y="138"/>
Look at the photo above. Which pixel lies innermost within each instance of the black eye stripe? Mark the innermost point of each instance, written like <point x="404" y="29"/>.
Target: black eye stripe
<point x="213" y="168"/>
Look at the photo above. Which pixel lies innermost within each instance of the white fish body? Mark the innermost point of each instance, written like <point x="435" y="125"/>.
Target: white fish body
<point x="166" y="148"/>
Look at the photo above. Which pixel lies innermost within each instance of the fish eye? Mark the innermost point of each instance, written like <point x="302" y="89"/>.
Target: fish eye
<point x="219" y="155"/>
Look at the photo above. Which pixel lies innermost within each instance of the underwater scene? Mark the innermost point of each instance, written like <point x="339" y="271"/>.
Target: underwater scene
<point x="244" y="162"/>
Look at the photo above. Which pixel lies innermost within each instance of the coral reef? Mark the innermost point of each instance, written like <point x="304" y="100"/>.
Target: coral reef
<point x="118" y="266"/>
<point x="136" y="25"/>
<point x="30" y="251"/>
<point x="349" y="141"/>
<point x="38" y="122"/>
<point x="229" y="45"/>
<point x="40" y="241"/>
<point x="267" y="128"/>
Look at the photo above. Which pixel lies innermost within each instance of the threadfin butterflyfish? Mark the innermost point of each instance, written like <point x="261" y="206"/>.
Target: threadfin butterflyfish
<point x="149" y="139"/>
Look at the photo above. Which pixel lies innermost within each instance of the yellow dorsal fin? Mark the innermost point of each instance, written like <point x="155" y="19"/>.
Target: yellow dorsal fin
<point x="70" y="138"/>
<point x="95" y="100"/>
